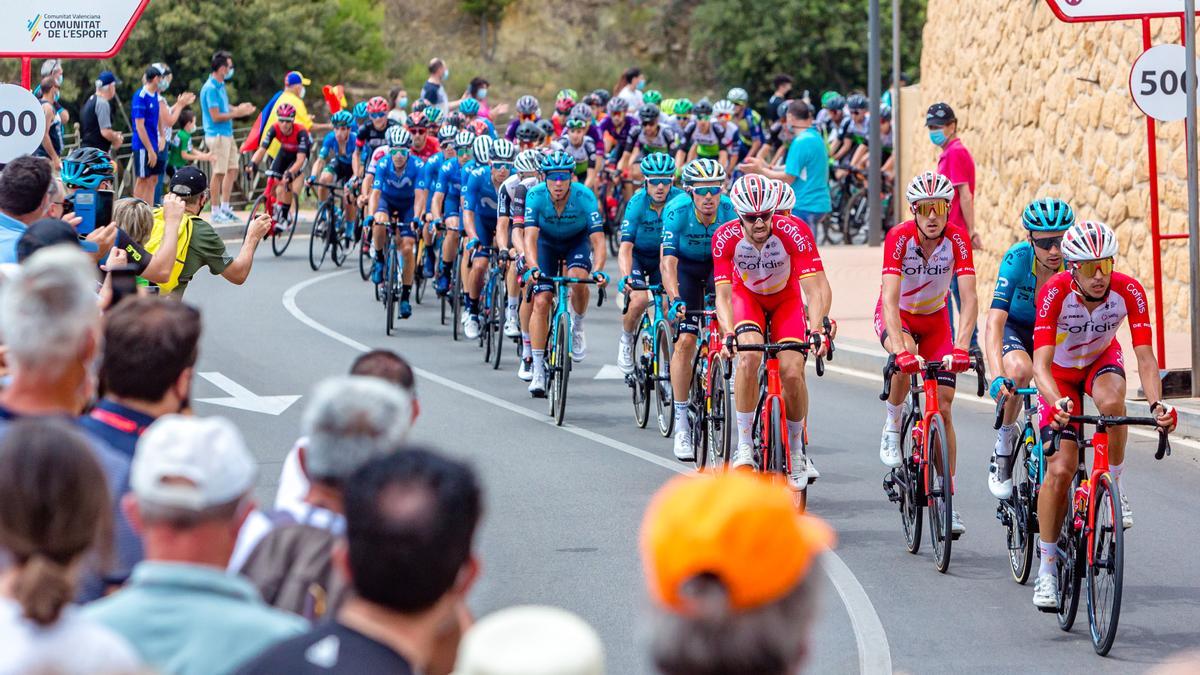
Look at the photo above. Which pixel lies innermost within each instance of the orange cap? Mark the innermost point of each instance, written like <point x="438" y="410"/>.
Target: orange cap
<point x="738" y="527"/>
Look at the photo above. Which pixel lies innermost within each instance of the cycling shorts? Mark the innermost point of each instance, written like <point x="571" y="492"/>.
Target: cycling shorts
<point x="1073" y="383"/>
<point x="575" y="254"/>
<point x="645" y="266"/>
<point x="784" y="311"/>
<point x="282" y="162"/>
<point x="695" y="281"/>
<point x="399" y="212"/>
<point x="485" y="232"/>
<point x="342" y="171"/>
<point x="452" y="208"/>
<point x="1017" y="337"/>
<point x="931" y="332"/>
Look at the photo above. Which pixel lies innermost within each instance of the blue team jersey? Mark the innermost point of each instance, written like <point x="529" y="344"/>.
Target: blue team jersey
<point x="1016" y="287"/>
<point x="580" y="216"/>
<point x="480" y="198"/>
<point x="433" y="166"/>
<point x="450" y="181"/>
<point x="332" y="154"/>
<point x="399" y="185"/>
<point x="684" y="236"/>
<point x="642" y="226"/>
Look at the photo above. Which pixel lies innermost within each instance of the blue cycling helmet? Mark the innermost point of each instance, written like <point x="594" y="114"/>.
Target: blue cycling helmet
<point x="469" y="106"/>
<point x="658" y="164"/>
<point x="558" y="161"/>
<point x="341" y="118"/>
<point x="1048" y="215"/>
<point x="86" y="168"/>
<point x="360" y="110"/>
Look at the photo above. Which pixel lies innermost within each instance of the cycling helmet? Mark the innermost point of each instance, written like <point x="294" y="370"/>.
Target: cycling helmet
<point x="592" y="100"/>
<point x="738" y="96"/>
<point x="835" y="104"/>
<point x="420" y="106"/>
<point x="546" y="126"/>
<point x="398" y="137"/>
<point x="417" y="121"/>
<point x="446" y="135"/>
<point x="528" y="132"/>
<point x="787" y="197"/>
<point x="464" y="139"/>
<point x="483" y="149"/>
<point x="828" y="98"/>
<point x="469" y="106"/>
<point x="341" y="118"/>
<point x="565" y="94"/>
<point x="602" y="95"/>
<point x="432" y="115"/>
<point x="667" y="106"/>
<point x="616" y="105"/>
<point x="857" y="102"/>
<point x="658" y="164"/>
<point x="285" y="112"/>
<point x="684" y="107"/>
<point x="703" y="107"/>
<point x="502" y="150"/>
<point x="527" y="105"/>
<point x="652" y="97"/>
<point x="648" y="113"/>
<point x="703" y="171"/>
<point x="885" y="113"/>
<point x="1089" y="240"/>
<point x="376" y="105"/>
<point x="723" y="107"/>
<point x="529" y="161"/>
<point x="574" y="122"/>
<point x="583" y="111"/>
<point x="360" y="110"/>
<point x="558" y="161"/>
<point x="753" y="193"/>
<point x="927" y="186"/>
<point x="563" y="105"/>
<point x="86" y="168"/>
<point x="1048" y="215"/>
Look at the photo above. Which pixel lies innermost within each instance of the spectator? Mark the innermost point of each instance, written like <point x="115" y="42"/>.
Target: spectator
<point x="95" y="117"/>
<point x="204" y="246"/>
<point x="531" y="639"/>
<point x="434" y="90"/>
<point x="24" y="197"/>
<point x="57" y="194"/>
<point x="957" y="164"/>
<point x="45" y="232"/>
<point x="350" y="421"/>
<point x="381" y="363"/>
<point x="192" y="483"/>
<point x="399" y="98"/>
<point x="630" y="87"/>
<point x="410" y="524"/>
<point x="150" y="349"/>
<point x="732" y="571"/>
<point x="783" y="86"/>
<point x="889" y="96"/>
<point x="134" y="220"/>
<point x="52" y="143"/>
<point x="806" y="168"/>
<point x="478" y="89"/>
<point x="168" y="116"/>
<point x="181" y="150"/>
<point x="51" y="329"/>
<point x="294" y="83"/>
<point x="144" y="116"/>
<point x="55" y="510"/>
<point x="218" y="116"/>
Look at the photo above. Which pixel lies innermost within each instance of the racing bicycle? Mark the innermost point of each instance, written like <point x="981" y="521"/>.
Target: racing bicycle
<point x="558" y="347"/>
<point x="652" y="346"/>
<point x="332" y="233"/>
<point x="1018" y="513"/>
<point x="710" y="406"/>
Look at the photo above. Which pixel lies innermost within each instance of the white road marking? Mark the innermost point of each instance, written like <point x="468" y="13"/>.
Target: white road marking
<point x="244" y="399"/>
<point x="874" y="653"/>
<point x="609" y="372"/>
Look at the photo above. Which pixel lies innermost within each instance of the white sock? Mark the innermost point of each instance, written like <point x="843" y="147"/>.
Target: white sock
<point x="576" y="321"/>
<point x="539" y="362"/>
<point x="894" y="413"/>
<point x="526" y="347"/>
<point x="626" y="336"/>
<point x="1115" y="470"/>
<point x="1006" y="434"/>
<point x="226" y="208"/>
<point x="682" y="425"/>
<point x="745" y="425"/>
<point x="1049" y="556"/>
<point x="796" y="434"/>
<point x="514" y="301"/>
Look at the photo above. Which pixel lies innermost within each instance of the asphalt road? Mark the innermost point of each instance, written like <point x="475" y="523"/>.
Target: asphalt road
<point x="564" y="504"/>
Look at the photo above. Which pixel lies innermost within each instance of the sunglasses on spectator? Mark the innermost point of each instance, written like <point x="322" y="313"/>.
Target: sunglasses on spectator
<point x="1088" y="269"/>
<point x="659" y="181"/>
<point x="558" y="176"/>
<point x="1047" y="243"/>
<point x="939" y="207"/>
<point x="502" y="166"/>
<point x="707" y="191"/>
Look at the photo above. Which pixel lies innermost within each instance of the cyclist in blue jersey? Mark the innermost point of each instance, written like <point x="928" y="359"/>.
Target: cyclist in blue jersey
<point x="510" y="228"/>
<point x="482" y="126"/>
<point x="447" y="205"/>
<point x="641" y="242"/>
<point x="481" y="210"/>
<point x="433" y="166"/>
<point x="687" y="270"/>
<point x="562" y="220"/>
<point x="1008" y="341"/>
<point x="335" y="161"/>
<point x="397" y="177"/>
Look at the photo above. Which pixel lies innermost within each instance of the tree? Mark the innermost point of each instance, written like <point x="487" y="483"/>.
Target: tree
<point x="488" y="13"/>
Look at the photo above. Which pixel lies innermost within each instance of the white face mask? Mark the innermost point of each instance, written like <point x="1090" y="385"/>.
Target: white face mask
<point x="302" y="91"/>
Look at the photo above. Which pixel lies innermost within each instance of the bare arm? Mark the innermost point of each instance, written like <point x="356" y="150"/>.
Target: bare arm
<point x="724" y="303"/>
<point x="969" y="313"/>
<point x="599" y="251"/>
<point x="162" y="262"/>
<point x="1147" y="367"/>
<point x="1043" y="377"/>
<point x="669" y="265"/>
<point x="625" y="258"/>
<point x="993" y="341"/>
<point x="818" y="298"/>
<point x="239" y="270"/>
<point x="891" y="313"/>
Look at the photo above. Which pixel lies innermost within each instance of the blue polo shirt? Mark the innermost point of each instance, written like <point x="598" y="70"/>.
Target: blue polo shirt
<point x="11" y="230"/>
<point x="214" y="95"/>
<point x="808" y="161"/>
<point x="145" y="108"/>
<point x="116" y="425"/>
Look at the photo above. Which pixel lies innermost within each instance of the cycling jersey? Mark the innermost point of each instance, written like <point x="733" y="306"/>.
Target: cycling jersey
<point x="1080" y="336"/>
<point x="578" y="218"/>
<point x="749" y="127"/>
<point x="511" y="197"/>
<point x="332" y="154"/>
<point x="299" y="142"/>
<point x="433" y="166"/>
<point x="431" y="148"/>
<point x="1016" y="286"/>
<point x="856" y="133"/>
<point x="620" y="136"/>
<point x="584" y="154"/>
<point x="398" y="185"/>
<point x="683" y="235"/>
<point x="709" y="143"/>
<point x="924" y="282"/>
<point x="664" y="140"/>
<point x="368" y="138"/>
<point x="450" y="183"/>
<point x="642" y="225"/>
<point x="480" y="198"/>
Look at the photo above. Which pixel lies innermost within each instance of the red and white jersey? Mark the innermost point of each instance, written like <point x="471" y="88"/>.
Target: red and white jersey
<point x="788" y="255"/>
<point x="376" y="155"/>
<point x="1079" y="336"/>
<point x="925" y="281"/>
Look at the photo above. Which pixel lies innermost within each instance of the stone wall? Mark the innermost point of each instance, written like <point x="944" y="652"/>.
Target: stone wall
<point x="1045" y="109"/>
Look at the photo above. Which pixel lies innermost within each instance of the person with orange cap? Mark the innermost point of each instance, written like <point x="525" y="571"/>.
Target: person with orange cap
<point x="731" y="569"/>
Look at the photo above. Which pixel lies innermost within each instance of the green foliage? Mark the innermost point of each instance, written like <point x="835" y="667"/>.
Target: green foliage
<point x="821" y="43"/>
<point x="484" y="10"/>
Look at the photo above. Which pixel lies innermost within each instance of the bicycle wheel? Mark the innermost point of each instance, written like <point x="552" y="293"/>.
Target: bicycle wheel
<point x="1106" y="569"/>
<point x="321" y="239"/>
<point x="342" y="239"/>
<point x="259" y="207"/>
<point x="612" y="236"/>
<point x="639" y="380"/>
<point x="1071" y="563"/>
<point x="697" y="409"/>
<point x="391" y="287"/>
<point x="419" y="272"/>
<point x="664" y="396"/>
<point x="1020" y="525"/>
<point x="855" y="220"/>
<point x="561" y="368"/>
<point x="499" y="296"/>
<point x="281" y="240"/>
<point x="718" y="418"/>
<point x="941" y="499"/>
<point x="364" y="252"/>
<point x="909" y="480"/>
<point x="456" y="294"/>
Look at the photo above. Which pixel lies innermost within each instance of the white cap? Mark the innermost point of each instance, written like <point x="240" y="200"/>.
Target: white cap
<point x="531" y="640"/>
<point x="208" y="452"/>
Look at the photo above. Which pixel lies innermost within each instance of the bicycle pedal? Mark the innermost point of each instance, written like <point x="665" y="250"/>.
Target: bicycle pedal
<point x="954" y="537"/>
<point x="889" y="488"/>
<point x="1047" y="610"/>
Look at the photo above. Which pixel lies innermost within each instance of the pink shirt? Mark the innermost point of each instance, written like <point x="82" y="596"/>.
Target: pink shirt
<point x="957" y="164"/>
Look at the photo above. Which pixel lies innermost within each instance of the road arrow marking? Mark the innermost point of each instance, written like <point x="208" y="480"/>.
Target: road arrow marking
<point x="609" y="372"/>
<point x="244" y="399"/>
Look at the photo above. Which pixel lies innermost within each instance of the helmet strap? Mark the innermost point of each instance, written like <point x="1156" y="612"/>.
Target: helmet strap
<point x="1078" y="289"/>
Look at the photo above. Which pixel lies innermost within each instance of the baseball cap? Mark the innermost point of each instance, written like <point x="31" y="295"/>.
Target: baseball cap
<point x="530" y="639"/>
<point x="205" y="456"/>
<point x="740" y="528"/>
<point x="939" y="114"/>
<point x="106" y="78"/>
<point x="50" y="232"/>
<point x="152" y="71"/>
<point x="188" y="182"/>
<point x="294" y="77"/>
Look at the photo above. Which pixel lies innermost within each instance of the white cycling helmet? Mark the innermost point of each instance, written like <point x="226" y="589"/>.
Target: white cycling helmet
<point x="398" y="137"/>
<point x="1089" y="240"/>
<point x="787" y="196"/>
<point x="929" y="185"/>
<point x="738" y="95"/>
<point x="723" y="107"/>
<point x="753" y="193"/>
<point x="483" y="149"/>
<point x="529" y="161"/>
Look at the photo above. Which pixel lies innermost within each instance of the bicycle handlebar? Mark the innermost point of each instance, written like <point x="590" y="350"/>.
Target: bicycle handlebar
<point x="1104" y="421"/>
<point x="772" y="349"/>
<point x="573" y="280"/>
<point x="930" y="370"/>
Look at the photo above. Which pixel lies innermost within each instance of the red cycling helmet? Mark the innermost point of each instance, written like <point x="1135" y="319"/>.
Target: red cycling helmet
<point x="563" y="105"/>
<point x="377" y="104"/>
<point x="285" y="112"/>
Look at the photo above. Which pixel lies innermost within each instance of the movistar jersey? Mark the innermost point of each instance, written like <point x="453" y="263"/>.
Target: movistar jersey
<point x="578" y="218"/>
<point x="683" y="234"/>
<point x="398" y="185"/>
<point x="643" y="226"/>
<point x="450" y="180"/>
<point x="480" y="198"/>
<point x="332" y="154"/>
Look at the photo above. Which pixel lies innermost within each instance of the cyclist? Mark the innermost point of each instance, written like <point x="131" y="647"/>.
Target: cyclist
<point x="648" y="138"/>
<point x="760" y="263"/>
<point x="681" y="115"/>
<point x="1075" y="352"/>
<point x="424" y="205"/>
<point x="527" y="111"/>
<point x="286" y="174"/>
<point x="615" y="128"/>
<point x="393" y="196"/>
<point x="424" y="128"/>
<point x="360" y="114"/>
<point x="580" y="146"/>
<point x="641" y="241"/>
<point x="748" y="122"/>
<point x="447" y="205"/>
<point x="482" y="126"/>
<point x="598" y="100"/>
<point x="1008" y="338"/>
<point x="704" y="139"/>
<point x="510" y="228"/>
<point x="563" y="103"/>
<point x="372" y="134"/>
<point x="561" y="219"/>
<point x="335" y="161"/>
<point x="862" y="153"/>
<point x="853" y="130"/>
<point x="529" y="136"/>
<point x="584" y="112"/>
<point x="480" y="213"/>
<point x="829" y="119"/>
<point x="920" y="258"/>
<point x="687" y="275"/>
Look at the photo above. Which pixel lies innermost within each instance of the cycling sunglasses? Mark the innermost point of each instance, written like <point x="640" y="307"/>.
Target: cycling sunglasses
<point x="403" y="152"/>
<point x="926" y="209"/>
<point x="704" y="118"/>
<point x="1088" y="269"/>
<point x="378" y="115"/>
<point x="660" y="181"/>
<point x="558" y="176"/>
<point x="755" y="217"/>
<point x="707" y="191"/>
<point x="1048" y="243"/>
<point x="502" y="166"/>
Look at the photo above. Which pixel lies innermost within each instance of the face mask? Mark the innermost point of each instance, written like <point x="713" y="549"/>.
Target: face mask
<point x="165" y="84"/>
<point x="641" y="85"/>
<point x="59" y="80"/>
<point x="401" y="102"/>
<point x="938" y="137"/>
<point x="481" y="94"/>
<point x="229" y="75"/>
<point x="446" y="73"/>
<point x="302" y="91"/>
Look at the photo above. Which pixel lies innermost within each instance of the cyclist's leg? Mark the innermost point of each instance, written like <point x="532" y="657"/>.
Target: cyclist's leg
<point x="1105" y="383"/>
<point x="406" y="239"/>
<point x="788" y="324"/>
<point x="450" y="241"/>
<point x="1016" y="348"/>
<point x="900" y="381"/>
<point x="935" y="341"/>
<point x="478" y="271"/>
<point x="749" y="323"/>
<point x="324" y="181"/>
<point x="1052" y="505"/>
<point x="644" y="267"/>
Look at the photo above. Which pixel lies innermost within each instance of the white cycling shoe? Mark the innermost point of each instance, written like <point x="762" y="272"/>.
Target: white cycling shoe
<point x="1045" y="591"/>
<point x="1126" y="512"/>
<point x="956" y="525"/>
<point x="537" y="385"/>
<point x="525" y="371"/>
<point x="743" y="455"/>
<point x="578" y="343"/>
<point x="684" y="451"/>
<point x="512" y="327"/>
<point x="625" y="357"/>
<point x="1000" y="481"/>
<point x="799" y="475"/>
<point x="471" y="328"/>
<point x="889" y="448"/>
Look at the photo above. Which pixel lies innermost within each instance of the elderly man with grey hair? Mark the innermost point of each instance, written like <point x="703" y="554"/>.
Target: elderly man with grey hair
<point x="350" y="420"/>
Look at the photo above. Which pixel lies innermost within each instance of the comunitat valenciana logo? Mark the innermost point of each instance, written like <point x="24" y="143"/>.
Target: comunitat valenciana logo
<point x="66" y="26"/>
<point x="34" y="27"/>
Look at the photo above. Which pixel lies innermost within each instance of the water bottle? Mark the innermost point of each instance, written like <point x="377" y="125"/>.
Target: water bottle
<point x="1080" y="501"/>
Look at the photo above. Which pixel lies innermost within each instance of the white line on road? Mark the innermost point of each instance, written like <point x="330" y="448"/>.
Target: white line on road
<point x="874" y="653"/>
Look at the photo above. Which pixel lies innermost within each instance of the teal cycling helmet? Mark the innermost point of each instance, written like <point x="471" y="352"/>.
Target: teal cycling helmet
<point x="558" y="161"/>
<point x="1048" y="215"/>
<point x="469" y="106"/>
<point x="341" y="118"/>
<point x="360" y="110"/>
<point x="433" y="115"/>
<point x="703" y="171"/>
<point x="828" y="98"/>
<point x="658" y="164"/>
<point x="684" y="106"/>
<point x="652" y="97"/>
<point x="86" y="168"/>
